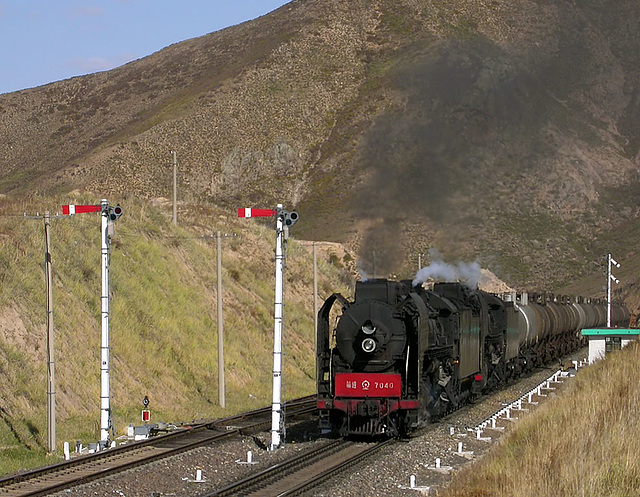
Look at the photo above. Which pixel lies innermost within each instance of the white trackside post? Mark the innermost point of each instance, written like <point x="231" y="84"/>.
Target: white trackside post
<point x="608" y="290"/>
<point x="610" y="277"/>
<point x="105" y="409"/>
<point x="276" y="408"/>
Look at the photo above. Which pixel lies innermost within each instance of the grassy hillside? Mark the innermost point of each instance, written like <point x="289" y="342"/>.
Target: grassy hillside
<point x="583" y="442"/>
<point x="163" y="318"/>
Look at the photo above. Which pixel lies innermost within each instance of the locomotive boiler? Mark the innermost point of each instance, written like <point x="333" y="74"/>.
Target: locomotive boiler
<point x="400" y="355"/>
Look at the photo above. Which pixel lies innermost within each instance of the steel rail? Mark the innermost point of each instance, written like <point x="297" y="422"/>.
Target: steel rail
<point x="337" y="468"/>
<point x="303" y="471"/>
<point x="109" y="461"/>
<point x="93" y="469"/>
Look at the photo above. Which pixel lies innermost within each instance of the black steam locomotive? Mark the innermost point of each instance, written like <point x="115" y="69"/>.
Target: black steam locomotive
<point x="400" y="355"/>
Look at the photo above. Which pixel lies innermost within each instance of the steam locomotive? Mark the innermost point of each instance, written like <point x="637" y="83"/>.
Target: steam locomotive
<point x="400" y="355"/>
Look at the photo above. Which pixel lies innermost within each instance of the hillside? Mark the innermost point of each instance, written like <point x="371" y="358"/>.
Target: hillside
<point x="163" y="320"/>
<point x="503" y="132"/>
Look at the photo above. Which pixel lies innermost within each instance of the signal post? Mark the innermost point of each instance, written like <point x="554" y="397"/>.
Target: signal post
<point x="109" y="216"/>
<point x="610" y="277"/>
<point x="284" y="219"/>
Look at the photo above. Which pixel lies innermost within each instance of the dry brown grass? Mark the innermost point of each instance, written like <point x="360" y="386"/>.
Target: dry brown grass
<point x="585" y="442"/>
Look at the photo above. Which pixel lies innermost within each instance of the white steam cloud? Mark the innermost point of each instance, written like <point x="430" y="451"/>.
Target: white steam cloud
<point x="467" y="273"/>
<point x="363" y="274"/>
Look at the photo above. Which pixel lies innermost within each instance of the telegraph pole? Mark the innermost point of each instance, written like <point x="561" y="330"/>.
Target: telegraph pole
<point x="374" y="264"/>
<point x="221" y="387"/>
<point x="51" y="370"/>
<point x="175" y="188"/>
<point x="221" y="384"/>
<point x="51" y="376"/>
<point x="315" y="300"/>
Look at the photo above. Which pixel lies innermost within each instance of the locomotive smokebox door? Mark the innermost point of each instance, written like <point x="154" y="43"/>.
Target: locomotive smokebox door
<point x="369" y="337"/>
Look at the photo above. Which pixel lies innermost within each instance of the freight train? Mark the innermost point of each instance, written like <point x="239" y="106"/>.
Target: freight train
<point x="400" y="355"/>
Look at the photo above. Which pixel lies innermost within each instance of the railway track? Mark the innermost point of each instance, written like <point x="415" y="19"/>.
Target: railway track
<point x="310" y="474"/>
<point x="83" y="469"/>
<point x="303" y="471"/>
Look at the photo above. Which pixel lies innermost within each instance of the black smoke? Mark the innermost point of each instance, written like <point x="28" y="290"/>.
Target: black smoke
<point x="470" y="111"/>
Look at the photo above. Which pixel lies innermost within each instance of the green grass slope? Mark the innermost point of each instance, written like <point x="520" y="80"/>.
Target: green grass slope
<point x="163" y="321"/>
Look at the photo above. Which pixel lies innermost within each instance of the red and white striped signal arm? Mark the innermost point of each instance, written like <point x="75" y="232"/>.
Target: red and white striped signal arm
<point x="70" y="210"/>
<point x="248" y="212"/>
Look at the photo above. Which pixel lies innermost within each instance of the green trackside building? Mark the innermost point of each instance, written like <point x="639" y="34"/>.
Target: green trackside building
<point x="605" y="340"/>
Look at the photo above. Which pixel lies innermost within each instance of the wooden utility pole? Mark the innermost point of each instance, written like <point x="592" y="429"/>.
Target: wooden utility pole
<point x="374" y="264"/>
<point x="51" y="374"/>
<point x="315" y="300"/>
<point x="221" y="398"/>
<point x="175" y="188"/>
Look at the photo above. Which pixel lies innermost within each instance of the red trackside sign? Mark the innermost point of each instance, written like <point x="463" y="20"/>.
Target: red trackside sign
<point x="368" y="385"/>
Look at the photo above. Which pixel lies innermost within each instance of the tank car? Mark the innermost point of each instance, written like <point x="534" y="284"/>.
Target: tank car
<point x="400" y="355"/>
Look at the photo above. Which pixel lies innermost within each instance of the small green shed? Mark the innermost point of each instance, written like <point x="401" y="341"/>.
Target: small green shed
<point x="604" y="340"/>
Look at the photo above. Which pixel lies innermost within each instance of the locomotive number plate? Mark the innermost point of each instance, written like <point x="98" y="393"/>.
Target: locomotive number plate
<point x="367" y="385"/>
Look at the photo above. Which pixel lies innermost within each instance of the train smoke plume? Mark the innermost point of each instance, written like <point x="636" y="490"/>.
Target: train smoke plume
<point x="467" y="273"/>
<point x="364" y="276"/>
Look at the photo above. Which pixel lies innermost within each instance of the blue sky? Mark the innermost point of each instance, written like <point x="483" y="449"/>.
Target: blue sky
<point x="42" y="41"/>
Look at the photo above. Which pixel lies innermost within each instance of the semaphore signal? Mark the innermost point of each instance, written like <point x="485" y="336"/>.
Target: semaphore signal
<point x="110" y="214"/>
<point x="610" y="277"/>
<point x="284" y="219"/>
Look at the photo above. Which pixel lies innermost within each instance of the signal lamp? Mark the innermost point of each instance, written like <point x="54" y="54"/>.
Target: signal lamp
<point x="115" y="212"/>
<point x="290" y="218"/>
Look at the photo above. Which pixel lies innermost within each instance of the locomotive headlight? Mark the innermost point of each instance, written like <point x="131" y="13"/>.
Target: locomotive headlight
<point x="368" y="328"/>
<point x="368" y="345"/>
